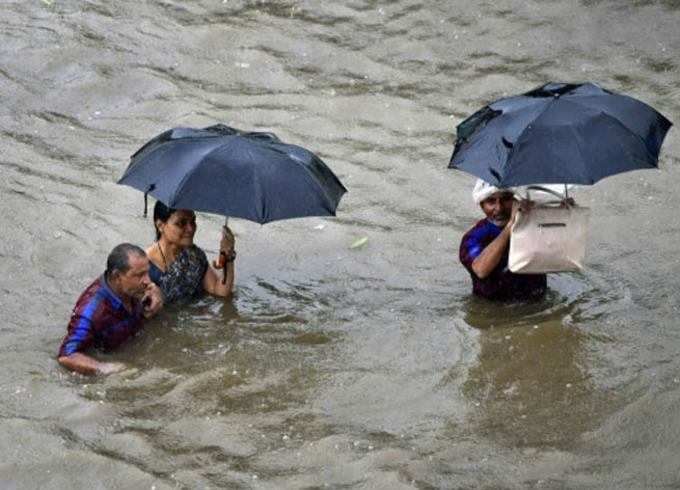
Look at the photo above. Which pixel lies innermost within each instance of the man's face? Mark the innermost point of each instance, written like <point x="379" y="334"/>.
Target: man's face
<point x="498" y="207"/>
<point x="135" y="280"/>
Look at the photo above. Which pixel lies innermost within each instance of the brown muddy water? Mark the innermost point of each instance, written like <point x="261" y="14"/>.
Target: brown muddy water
<point x="339" y="367"/>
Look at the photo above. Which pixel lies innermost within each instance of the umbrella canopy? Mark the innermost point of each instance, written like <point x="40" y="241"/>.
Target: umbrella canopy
<point x="557" y="134"/>
<point x="225" y="171"/>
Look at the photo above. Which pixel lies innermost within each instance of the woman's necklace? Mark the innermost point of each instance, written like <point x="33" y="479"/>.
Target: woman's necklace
<point x="165" y="262"/>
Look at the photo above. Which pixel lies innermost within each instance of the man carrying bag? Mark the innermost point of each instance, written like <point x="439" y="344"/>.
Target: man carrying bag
<point x="510" y="251"/>
<point x="484" y="249"/>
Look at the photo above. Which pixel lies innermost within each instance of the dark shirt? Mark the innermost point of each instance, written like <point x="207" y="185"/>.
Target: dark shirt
<point x="501" y="283"/>
<point x="99" y="319"/>
<point x="183" y="279"/>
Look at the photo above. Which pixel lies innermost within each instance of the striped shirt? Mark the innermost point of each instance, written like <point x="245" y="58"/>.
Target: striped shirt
<point x="501" y="283"/>
<point x="99" y="319"/>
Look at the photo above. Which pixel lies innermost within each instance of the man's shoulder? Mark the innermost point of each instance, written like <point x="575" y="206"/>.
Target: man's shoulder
<point x="476" y="239"/>
<point x="91" y="294"/>
<point x="92" y="288"/>
<point x="482" y="227"/>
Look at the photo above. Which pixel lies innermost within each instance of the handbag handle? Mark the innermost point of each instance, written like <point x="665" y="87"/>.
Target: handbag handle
<point x="562" y="199"/>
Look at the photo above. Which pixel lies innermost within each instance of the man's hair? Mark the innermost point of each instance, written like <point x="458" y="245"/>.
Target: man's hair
<point x="119" y="258"/>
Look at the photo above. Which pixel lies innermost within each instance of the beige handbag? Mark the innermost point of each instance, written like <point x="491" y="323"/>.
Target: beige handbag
<point x="549" y="237"/>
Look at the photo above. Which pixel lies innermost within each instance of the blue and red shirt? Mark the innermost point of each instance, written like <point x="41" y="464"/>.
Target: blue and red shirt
<point x="99" y="319"/>
<point x="501" y="283"/>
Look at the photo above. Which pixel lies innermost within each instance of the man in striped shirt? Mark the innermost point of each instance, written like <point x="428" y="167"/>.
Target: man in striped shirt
<point x="110" y="311"/>
<point x="484" y="249"/>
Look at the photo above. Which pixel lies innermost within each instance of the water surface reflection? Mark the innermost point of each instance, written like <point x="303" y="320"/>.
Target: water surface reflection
<point x="352" y="368"/>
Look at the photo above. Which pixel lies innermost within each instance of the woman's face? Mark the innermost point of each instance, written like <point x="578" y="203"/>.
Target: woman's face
<point x="180" y="228"/>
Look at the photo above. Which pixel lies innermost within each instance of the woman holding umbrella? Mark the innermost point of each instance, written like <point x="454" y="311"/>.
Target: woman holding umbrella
<point x="178" y="266"/>
<point x="228" y="172"/>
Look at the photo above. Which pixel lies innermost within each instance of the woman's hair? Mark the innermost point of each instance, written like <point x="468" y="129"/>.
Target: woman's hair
<point x="163" y="213"/>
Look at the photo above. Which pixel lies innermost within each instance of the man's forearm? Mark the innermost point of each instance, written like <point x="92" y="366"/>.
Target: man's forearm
<point x="80" y="363"/>
<point x="490" y="257"/>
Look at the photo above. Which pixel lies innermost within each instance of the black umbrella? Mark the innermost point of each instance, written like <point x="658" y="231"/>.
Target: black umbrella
<point x="558" y="134"/>
<point x="225" y="171"/>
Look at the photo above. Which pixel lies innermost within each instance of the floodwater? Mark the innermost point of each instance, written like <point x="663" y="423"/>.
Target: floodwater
<point x="339" y="367"/>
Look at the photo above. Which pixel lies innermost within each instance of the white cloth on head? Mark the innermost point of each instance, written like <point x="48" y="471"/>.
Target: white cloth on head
<point x="484" y="190"/>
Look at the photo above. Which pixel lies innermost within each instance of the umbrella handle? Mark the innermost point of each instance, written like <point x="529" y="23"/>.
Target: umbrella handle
<point x="223" y="262"/>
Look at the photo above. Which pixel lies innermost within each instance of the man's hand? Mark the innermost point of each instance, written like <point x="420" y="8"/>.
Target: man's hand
<point x="524" y="206"/>
<point x="106" y="368"/>
<point x="152" y="300"/>
<point x="84" y="364"/>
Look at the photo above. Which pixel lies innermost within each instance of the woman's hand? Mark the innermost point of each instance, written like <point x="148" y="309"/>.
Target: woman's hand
<point x="227" y="242"/>
<point x="107" y="368"/>
<point x="225" y="262"/>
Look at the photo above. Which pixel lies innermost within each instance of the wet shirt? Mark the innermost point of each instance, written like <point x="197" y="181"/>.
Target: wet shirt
<point x="183" y="279"/>
<point x="99" y="319"/>
<point x="501" y="283"/>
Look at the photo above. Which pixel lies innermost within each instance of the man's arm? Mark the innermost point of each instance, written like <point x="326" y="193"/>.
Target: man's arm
<point x="83" y="364"/>
<point x="78" y="338"/>
<point x="489" y="258"/>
